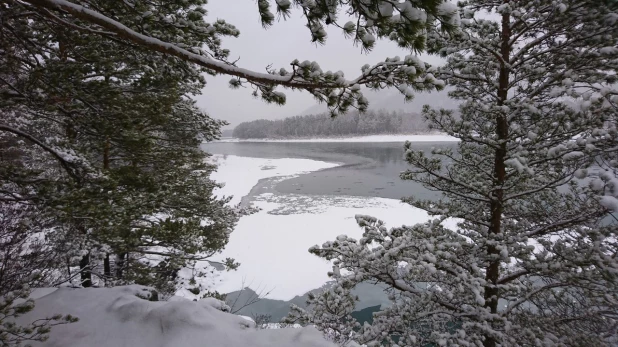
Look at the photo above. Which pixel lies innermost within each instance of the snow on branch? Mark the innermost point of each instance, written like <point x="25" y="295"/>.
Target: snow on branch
<point x="67" y="162"/>
<point x="407" y="75"/>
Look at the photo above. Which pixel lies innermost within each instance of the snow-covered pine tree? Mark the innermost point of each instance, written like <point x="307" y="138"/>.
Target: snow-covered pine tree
<point x="103" y="140"/>
<point x="532" y="260"/>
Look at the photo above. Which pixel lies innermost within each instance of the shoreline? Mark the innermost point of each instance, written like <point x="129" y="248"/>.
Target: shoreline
<point x="367" y="138"/>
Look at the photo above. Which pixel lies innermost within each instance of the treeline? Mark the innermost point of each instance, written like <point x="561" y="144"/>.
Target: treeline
<point x="323" y="125"/>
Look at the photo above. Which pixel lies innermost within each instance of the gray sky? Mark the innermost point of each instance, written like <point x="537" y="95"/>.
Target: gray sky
<point x="278" y="45"/>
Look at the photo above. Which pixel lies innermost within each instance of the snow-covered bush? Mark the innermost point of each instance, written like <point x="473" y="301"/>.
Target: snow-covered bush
<point x="16" y="303"/>
<point x="24" y="261"/>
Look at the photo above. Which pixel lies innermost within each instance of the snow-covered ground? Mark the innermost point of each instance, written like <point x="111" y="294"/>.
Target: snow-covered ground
<point x="117" y="317"/>
<point x="272" y="244"/>
<point x="370" y="138"/>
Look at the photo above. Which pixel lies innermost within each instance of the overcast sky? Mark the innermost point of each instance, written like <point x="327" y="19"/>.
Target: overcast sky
<point x="279" y="45"/>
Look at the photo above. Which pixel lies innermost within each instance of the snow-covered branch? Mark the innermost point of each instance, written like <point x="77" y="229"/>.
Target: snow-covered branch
<point x="67" y="164"/>
<point x="305" y="75"/>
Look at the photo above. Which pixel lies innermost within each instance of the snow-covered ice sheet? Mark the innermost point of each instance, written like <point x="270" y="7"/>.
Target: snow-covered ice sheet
<point x="116" y="317"/>
<point x="370" y="138"/>
<point x="272" y="244"/>
<point x="240" y="174"/>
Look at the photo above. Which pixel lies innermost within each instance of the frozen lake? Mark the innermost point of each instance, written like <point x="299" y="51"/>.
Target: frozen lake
<point x="307" y="193"/>
<point x="369" y="169"/>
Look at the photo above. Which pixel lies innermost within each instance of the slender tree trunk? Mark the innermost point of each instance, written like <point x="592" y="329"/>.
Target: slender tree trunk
<point x="84" y="263"/>
<point x="107" y="270"/>
<point x="85" y="273"/>
<point x="120" y="264"/>
<point x="106" y="148"/>
<point x="496" y="206"/>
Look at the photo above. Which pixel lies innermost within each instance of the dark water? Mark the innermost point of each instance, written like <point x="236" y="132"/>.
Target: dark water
<point x="369" y="169"/>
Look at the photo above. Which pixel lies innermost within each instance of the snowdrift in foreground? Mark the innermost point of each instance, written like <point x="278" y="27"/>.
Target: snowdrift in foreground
<point x="117" y="317"/>
<point x="370" y="138"/>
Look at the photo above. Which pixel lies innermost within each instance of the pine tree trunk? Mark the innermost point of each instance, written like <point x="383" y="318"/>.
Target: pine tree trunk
<point x="107" y="271"/>
<point x="85" y="273"/>
<point x="496" y="208"/>
<point x="120" y="264"/>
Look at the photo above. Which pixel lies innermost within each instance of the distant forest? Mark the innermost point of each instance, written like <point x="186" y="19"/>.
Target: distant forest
<point x="322" y="125"/>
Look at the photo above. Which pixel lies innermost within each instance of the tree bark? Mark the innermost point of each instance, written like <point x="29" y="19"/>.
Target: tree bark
<point x="120" y="264"/>
<point x="107" y="271"/>
<point x="492" y="273"/>
<point x="85" y="273"/>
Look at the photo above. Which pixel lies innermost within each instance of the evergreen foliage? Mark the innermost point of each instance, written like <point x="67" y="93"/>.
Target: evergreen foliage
<point x="157" y="26"/>
<point x="102" y="179"/>
<point x="99" y="153"/>
<point x="532" y="261"/>
<point x="101" y="142"/>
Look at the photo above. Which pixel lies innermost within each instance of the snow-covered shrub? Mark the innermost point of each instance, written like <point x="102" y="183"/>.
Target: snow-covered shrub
<point x="24" y="261"/>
